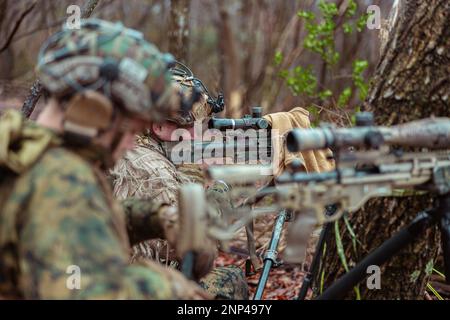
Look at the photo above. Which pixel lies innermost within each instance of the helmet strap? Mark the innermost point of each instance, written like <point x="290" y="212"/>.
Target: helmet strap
<point x="87" y="114"/>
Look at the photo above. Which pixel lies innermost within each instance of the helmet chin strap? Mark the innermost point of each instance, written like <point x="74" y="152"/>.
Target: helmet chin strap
<point x="87" y="115"/>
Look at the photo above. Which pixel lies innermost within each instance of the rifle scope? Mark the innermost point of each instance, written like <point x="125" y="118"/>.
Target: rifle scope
<point x="432" y="133"/>
<point x="253" y="121"/>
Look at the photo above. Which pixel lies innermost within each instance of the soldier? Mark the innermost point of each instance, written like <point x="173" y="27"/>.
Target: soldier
<point x="147" y="173"/>
<point x="57" y="211"/>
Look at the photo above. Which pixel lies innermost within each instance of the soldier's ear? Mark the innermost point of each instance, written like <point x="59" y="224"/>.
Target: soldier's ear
<point x="88" y="113"/>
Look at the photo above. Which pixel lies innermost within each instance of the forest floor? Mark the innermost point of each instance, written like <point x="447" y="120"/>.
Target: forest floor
<point x="285" y="281"/>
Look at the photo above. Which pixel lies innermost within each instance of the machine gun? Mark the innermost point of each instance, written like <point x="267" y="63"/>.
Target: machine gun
<point x="375" y="169"/>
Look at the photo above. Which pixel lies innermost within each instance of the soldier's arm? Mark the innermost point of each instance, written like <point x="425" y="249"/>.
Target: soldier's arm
<point x="143" y="218"/>
<point x="69" y="237"/>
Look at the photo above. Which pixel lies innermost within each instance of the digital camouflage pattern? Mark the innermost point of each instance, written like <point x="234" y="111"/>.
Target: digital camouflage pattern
<point x="226" y="283"/>
<point x="57" y="211"/>
<point x="73" y="60"/>
<point x="53" y="216"/>
<point x="143" y="219"/>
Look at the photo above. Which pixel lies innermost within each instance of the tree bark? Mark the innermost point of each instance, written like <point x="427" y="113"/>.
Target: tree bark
<point x="229" y="63"/>
<point x="179" y="29"/>
<point x="411" y="82"/>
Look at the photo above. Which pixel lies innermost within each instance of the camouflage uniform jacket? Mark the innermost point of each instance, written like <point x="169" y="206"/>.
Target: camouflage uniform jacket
<point x="58" y="213"/>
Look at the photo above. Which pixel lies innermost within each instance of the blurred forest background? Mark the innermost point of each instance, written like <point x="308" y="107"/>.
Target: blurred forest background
<point x="277" y="54"/>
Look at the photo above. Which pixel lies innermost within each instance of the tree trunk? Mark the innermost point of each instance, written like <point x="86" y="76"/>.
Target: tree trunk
<point x="411" y="82"/>
<point x="229" y="63"/>
<point x="179" y="29"/>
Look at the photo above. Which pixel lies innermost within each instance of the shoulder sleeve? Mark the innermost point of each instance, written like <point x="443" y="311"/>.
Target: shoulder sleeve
<point x="68" y="245"/>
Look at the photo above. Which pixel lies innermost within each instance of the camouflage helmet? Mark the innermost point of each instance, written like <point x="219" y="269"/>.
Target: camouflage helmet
<point x="204" y="106"/>
<point x="107" y="57"/>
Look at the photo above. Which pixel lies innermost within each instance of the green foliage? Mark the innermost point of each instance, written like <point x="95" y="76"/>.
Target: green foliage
<point x="306" y="15"/>
<point x="278" y="58"/>
<point x="301" y="80"/>
<point x="321" y="29"/>
<point x="439" y="273"/>
<point x="325" y="94"/>
<point x="353" y="116"/>
<point x="348" y="27"/>
<point x="341" y="254"/>
<point x="436" y="294"/>
<point x="414" y="276"/>
<point x="320" y="37"/>
<point x="345" y="97"/>
<point x="429" y="269"/>
<point x="362" y="22"/>
<point x="359" y="66"/>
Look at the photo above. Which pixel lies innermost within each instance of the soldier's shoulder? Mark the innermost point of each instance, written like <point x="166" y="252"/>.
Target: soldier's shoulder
<point x="57" y="172"/>
<point x="62" y="162"/>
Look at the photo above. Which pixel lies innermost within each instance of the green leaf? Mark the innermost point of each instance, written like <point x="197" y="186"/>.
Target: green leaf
<point x="436" y="294"/>
<point x="348" y="28"/>
<point x="414" y="276"/>
<point x="429" y="267"/>
<point x="439" y="273"/>
<point x="328" y="9"/>
<point x="352" y="234"/>
<point x="325" y="94"/>
<point x="351" y="10"/>
<point x="359" y="66"/>
<point x="302" y="81"/>
<point x="341" y="254"/>
<point x="278" y="58"/>
<point x="322" y="274"/>
<point x="340" y="246"/>
<point x="283" y="74"/>
<point x="306" y="15"/>
<point x="345" y="97"/>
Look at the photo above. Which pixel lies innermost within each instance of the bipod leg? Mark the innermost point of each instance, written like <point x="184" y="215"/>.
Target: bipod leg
<point x="270" y="257"/>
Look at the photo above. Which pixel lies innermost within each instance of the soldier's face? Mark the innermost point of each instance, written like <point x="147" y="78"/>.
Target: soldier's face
<point x="129" y="128"/>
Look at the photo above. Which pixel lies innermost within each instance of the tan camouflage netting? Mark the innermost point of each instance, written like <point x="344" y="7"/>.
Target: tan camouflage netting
<point x="146" y="173"/>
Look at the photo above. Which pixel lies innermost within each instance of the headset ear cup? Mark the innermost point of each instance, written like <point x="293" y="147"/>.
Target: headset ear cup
<point x="88" y="113"/>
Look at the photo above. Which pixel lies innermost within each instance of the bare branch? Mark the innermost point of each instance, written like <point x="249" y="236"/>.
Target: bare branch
<point x="36" y="89"/>
<point x="179" y="29"/>
<point x="16" y="27"/>
<point x="88" y="8"/>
